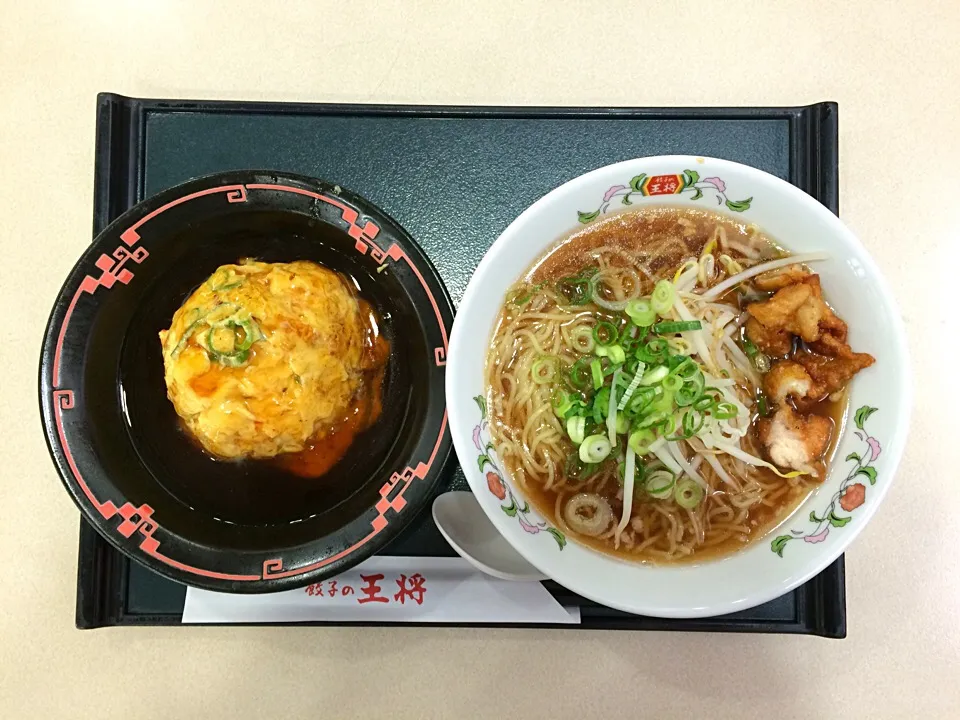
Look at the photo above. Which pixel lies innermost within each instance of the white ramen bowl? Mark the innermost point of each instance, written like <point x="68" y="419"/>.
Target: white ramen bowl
<point x="872" y="438"/>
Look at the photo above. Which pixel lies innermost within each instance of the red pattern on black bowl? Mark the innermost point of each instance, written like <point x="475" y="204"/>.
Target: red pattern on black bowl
<point x="113" y="434"/>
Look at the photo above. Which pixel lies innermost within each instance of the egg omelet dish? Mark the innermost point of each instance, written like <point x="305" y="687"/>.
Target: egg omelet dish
<point x="264" y="357"/>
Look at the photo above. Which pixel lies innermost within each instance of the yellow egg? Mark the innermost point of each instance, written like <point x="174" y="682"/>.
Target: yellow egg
<point x="262" y="357"/>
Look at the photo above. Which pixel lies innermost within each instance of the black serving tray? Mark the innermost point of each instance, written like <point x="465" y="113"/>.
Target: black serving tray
<point x="454" y="177"/>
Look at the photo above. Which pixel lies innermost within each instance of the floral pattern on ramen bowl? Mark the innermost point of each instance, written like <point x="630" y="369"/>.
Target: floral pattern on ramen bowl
<point x="678" y="183"/>
<point x="868" y="450"/>
<point x="488" y="462"/>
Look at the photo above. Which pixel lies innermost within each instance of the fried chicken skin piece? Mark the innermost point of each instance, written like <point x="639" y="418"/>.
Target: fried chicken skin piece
<point x="799" y="309"/>
<point x="831" y="374"/>
<point x="770" y="340"/>
<point x="779" y="279"/>
<point x="787" y="379"/>
<point x="833" y="330"/>
<point x="806" y="379"/>
<point x="796" y="441"/>
<point x="778" y="313"/>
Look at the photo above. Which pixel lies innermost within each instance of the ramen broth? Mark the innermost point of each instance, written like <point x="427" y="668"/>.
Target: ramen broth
<point x="536" y="320"/>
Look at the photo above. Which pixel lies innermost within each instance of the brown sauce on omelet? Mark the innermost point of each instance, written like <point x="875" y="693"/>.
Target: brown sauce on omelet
<point x="330" y="444"/>
<point x="206" y="384"/>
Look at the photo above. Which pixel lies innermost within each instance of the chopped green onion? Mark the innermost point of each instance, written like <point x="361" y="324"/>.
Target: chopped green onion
<point x="662" y="299"/>
<point x="703" y="403"/>
<point x="222" y="312"/>
<point x="687" y="369"/>
<point x="544" y="370"/>
<point x="634" y="366"/>
<point x="640" y="441"/>
<point x="221" y="340"/>
<point x="631" y="388"/>
<point x="563" y="403"/>
<point x="612" y="409"/>
<point x="724" y="411"/>
<point x="634" y="338"/>
<point x="688" y="395"/>
<point x="595" y="449"/>
<point x="623" y="423"/>
<point x="762" y="404"/>
<point x="749" y="349"/>
<point x="672" y="383"/>
<point x="615" y="353"/>
<point x="688" y="494"/>
<point x="235" y="360"/>
<point x="596" y="372"/>
<point x="605" y="333"/>
<point x="230" y="338"/>
<point x="654" y="418"/>
<point x="655" y="351"/>
<point x="658" y="345"/>
<point x="193" y="327"/>
<point x="576" y="427"/>
<point x="642" y="399"/>
<point x="664" y="402"/>
<point x="251" y="333"/>
<point x="224" y="277"/>
<point x="582" y="339"/>
<point x="576" y="291"/>
<point x="601" y="400"/>
<point x="580" y="373"/>
<point x="666" y="328"/>
<point x="691" y="424"/>
<point x="655" y="375"/>
<point x="597" y="415"/>
<point x="659" y="484"/>
<point x="691" y="391"/>
<point x="641" y="313"/>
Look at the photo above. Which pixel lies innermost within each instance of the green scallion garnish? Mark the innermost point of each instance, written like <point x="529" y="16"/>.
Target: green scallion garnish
<point x="688" y="494"/>
<point x="596" y="372"/>
<point x="545" y="369"/>
<point x="667" y="328"/>
<point x="641" y="313"/>
<point x="594" y="449"/>
<point x="724" y="411"/>
<point x="659" y="484"/>
<point x="580" y="373"/>
<point x="605" y="333"/>
<point x="662" y="299"/>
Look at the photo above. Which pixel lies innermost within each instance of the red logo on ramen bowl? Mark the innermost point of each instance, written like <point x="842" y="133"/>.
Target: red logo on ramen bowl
<point x="662" y="185"/>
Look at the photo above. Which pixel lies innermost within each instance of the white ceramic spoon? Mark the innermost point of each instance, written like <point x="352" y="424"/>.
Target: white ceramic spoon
<point x="465" y="526"/>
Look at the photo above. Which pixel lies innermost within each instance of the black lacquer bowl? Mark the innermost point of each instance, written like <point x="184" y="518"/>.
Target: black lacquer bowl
<point x="116" y="440"/>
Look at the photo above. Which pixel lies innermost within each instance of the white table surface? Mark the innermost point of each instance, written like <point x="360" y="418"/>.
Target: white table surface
<point x="895" y="70"/>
